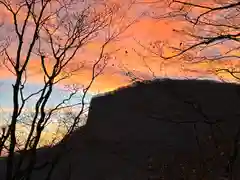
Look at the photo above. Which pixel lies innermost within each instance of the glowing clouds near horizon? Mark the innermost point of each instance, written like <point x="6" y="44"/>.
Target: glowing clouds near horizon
<point x="127" y="54"/>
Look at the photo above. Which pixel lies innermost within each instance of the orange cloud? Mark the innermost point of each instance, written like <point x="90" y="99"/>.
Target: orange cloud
<point x="145" y="31"/>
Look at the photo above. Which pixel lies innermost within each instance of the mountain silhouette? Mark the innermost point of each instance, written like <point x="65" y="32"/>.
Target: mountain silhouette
<point x="161" y="129"/>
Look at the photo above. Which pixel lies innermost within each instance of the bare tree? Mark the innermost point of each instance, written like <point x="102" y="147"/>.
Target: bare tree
<point x="52" y="33"/>
<point x="205" y="31"/>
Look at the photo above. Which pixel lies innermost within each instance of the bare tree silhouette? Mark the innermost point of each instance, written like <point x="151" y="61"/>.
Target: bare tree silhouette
<point x="52" y="33"/>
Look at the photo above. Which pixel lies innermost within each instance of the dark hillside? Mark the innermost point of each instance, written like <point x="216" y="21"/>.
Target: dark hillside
<point x="164" y="129"/>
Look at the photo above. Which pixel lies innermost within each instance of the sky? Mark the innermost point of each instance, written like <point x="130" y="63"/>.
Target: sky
<point x="127" y="54"/>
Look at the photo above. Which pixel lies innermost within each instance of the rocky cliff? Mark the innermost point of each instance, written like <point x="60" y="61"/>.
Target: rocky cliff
<point x="163" y="129"/>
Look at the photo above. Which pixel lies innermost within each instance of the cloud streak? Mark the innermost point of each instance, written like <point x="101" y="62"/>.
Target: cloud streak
<point x="147" y="31"/>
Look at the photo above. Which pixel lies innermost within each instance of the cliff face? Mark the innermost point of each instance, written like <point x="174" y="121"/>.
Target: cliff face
<point x="184" y="124"/>
<point x="169" y="129"/>
<point x="138" y="112"/>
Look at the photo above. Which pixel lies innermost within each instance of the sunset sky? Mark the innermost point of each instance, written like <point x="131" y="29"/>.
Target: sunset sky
<point x="131" y="56"/>
<point x="146" y="30"/>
